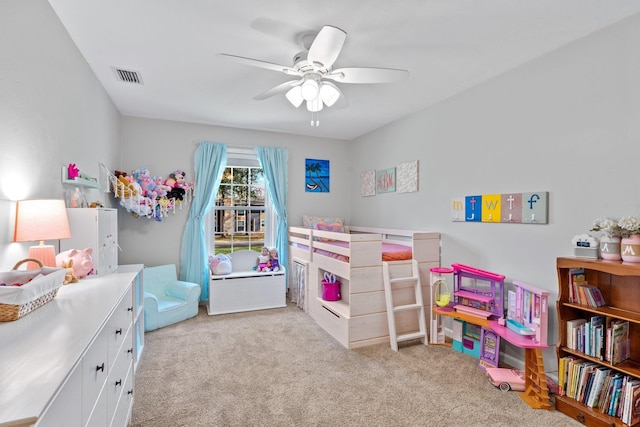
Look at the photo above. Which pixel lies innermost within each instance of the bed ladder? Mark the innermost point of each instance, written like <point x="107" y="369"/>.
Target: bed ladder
<point x="392" y="309"/>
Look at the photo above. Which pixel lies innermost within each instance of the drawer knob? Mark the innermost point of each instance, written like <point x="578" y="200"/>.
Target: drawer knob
<point x="100" y="367"/>
<point x="130" y="392"/>
<point x="130" y="309"/>
<point x="119" y="382"/>
<point x="580" y="417"/>
<point x="130" y="350"/>
<point x="119" y="331"/>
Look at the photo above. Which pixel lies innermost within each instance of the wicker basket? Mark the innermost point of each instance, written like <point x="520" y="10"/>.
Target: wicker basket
<point x="40" y="287"/>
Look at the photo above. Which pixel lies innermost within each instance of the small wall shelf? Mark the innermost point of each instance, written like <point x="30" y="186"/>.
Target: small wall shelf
<point x="81" y="182"/>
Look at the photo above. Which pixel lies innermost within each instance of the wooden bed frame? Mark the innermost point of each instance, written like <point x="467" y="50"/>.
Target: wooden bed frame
<point x="359" y="318"/>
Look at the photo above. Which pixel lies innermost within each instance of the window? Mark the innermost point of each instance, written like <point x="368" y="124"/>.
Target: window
<point x="241" y="210"/>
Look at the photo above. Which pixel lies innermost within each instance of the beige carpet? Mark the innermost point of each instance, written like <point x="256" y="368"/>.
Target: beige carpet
<point x="278" y="368"/>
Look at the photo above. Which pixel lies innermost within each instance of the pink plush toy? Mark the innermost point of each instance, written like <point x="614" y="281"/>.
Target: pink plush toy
<point x="82" y="261"/>
<point x="72" y="171"/>
<point x="219" y="264"/>
<point x="147" y="183"/>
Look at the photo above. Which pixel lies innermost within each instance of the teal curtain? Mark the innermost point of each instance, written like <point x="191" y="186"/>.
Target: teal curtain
<point x="274" y="164"/>
<point x="210" y="160"/>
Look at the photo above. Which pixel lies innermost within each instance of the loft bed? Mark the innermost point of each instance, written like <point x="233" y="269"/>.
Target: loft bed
<point x="355" y="258"/>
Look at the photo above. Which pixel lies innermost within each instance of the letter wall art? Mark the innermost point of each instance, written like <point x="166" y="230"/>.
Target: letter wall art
<point x="511" y="208"/>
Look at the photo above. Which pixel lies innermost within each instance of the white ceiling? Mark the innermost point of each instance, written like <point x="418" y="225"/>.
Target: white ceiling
<point x="446" y="45"/>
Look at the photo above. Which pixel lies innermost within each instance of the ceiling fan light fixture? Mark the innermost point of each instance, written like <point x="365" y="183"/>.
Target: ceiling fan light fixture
<point x="309" y="88"/>
<point x="329" y="93"/>
<point x="315" y="105"/>
<point x="294" y="95"/>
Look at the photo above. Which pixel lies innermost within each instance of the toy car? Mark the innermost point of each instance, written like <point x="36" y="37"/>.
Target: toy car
<point x="512" y="379"/>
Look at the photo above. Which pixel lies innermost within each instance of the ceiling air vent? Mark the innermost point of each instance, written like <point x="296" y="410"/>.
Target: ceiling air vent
<point x="128" y="76"/>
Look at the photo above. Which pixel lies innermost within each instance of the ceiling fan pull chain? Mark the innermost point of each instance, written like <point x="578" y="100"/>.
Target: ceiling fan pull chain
<point x="315" y="121"/>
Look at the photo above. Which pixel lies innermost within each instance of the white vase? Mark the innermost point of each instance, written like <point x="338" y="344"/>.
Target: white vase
<point x="610" y="248"/>
<point x="630" y="248"/>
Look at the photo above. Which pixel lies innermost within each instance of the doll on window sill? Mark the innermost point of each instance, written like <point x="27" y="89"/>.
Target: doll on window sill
<point x="273" y="264"/>
<point x="263" y="260"/>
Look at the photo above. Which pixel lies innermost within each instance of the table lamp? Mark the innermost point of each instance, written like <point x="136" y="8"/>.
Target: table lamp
<point x="41" y="220"/>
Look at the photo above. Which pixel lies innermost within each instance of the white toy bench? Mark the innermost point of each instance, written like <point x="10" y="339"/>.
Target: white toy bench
<point x="245" y="289"/>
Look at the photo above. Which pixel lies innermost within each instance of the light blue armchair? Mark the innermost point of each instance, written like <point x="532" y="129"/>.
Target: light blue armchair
<point x="167" y="300"/>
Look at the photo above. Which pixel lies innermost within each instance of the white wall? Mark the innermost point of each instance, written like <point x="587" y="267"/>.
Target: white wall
<point x="163" y="146"/>
<point x="567" y="123"/>
<point x="53" y="112"/>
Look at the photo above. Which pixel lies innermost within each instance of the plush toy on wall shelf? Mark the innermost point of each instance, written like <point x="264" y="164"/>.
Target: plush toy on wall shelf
<point x="72" y="171"/>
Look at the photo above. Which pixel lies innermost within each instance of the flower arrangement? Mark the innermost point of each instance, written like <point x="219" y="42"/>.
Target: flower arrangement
<point x="608" y="227"/>
<point x="628" y="226"/>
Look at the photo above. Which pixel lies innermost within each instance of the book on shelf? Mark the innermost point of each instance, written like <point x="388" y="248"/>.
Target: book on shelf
<point x="631" y="414"/>
<point x="597" y="338"/>
<point x="619" y="341"/>
<point x="572" y="332"/>
<point x="576" y="277"/>
<point x="615" y="395"/>
<point x="586" y="373"/>
<point x="604" y="391"/>
<point x="590" y="295"/>
<point x="600" y="374"/>
<point x="605" y="401"/>
<point x="563" y="374"/>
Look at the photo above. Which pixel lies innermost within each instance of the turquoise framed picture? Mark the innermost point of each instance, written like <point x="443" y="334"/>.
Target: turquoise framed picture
<point x="386" y="181"/>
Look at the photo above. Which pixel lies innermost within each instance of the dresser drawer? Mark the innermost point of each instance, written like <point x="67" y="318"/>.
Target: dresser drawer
<point x="99" y="417"/>
<point x="118" y="325"/>
<point x="95" y="367"/>
<point x="66" y="409"/>
<point x="118" y="373"/>
<point x="123" y="410"/>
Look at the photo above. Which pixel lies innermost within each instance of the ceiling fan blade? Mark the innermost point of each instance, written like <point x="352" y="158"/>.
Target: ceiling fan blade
<point x="283" y="87"/>
<point x="367" y="75"/>
<point x="261" y="64"/>
<point x="326" y="47"/>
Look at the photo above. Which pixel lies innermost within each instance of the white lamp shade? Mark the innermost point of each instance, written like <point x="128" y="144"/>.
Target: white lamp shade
<point x="315" y="105"/>
<point x="329" y="93"/>
<point x="294" y="95"/>
<point x="309" y="89"/>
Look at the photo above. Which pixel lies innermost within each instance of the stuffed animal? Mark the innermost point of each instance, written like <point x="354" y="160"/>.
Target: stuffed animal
<point x="176" y="180"/>
<point x="72" y="171"/>
<point x="70" y="275"/>
<point x="124" y="188"/>
<point x="81" y="261"/>
<point x="147" y="183"/>
<point x="219" y="264"/>
<point x="161" y="188"/>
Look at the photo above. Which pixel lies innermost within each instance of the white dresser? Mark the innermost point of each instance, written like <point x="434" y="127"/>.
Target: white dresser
<point x="71" y="362"/>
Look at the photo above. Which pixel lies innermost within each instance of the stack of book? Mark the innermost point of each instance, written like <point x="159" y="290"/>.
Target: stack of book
<point x="597" y="338"/>
<point x="581" y="292"/>
<point x="600" y="388"/>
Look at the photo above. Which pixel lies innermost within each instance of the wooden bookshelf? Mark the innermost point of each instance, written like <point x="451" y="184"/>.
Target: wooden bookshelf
<point x="619" y="283"/>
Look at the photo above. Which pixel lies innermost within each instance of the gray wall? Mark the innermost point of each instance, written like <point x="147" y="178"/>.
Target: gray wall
<point x="53" y="111"/>
<point x="163" y="146"/>
<point x="566" y="123"/>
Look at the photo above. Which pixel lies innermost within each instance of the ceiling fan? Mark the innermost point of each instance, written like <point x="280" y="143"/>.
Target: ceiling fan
<point x="314" y="74"/>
